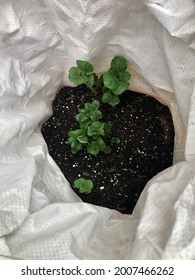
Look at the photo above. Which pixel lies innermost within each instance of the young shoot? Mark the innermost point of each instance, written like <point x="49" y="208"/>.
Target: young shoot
<point x="92" y="132"/>
<point x="83" y="185"/>
<point x="115" y="81"/>
<point x="83" y="74"/>
<point x="110" y="85"/>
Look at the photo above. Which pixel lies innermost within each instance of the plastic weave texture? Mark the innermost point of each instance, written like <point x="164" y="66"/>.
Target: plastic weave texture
<point x="40" y="215"/>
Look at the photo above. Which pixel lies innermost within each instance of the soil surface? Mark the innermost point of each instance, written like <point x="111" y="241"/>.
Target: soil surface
<point x="146" y="132"/>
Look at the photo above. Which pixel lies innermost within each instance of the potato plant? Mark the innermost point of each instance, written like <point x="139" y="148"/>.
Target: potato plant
<point x="93" y="133"/>
<point x="111" y="84"/>
<point x="84" y="186"/>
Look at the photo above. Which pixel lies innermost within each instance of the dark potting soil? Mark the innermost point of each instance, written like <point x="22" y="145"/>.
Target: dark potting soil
<point x="146" y="132"/>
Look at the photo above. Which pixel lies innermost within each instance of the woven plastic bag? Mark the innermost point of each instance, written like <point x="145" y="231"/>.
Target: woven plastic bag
<point x="40" y="215"/>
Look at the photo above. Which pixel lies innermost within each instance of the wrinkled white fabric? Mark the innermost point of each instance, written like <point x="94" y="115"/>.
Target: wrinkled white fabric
<point x="167" y="227"/>
<point x="40" y="215"/>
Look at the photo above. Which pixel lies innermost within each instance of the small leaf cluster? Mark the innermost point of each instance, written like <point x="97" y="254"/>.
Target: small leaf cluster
<point x="82" y="74"/>
<point x="115" y="81"/>
<point x="92" y="131"/>
<point x="84" y="185"/>
<point x="111" y="84"/>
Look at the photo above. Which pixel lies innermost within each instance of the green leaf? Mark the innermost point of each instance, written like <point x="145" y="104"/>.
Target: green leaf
<point x="122" y="86"/>
<point x="95" y="115"/>
<point x="75" y="143"/>
<point x="95" y="104"/>
<point x="107" y="128"/>
<point x="88" y="106"/>
<point x="110" y="81"/>
<point x="90" y="132"/>
<point x="101" y="143"/>
<point x="70" y="140"/>
<point x="96" y="125"/>
<point x="125" y="76"/>
<point x="93" y="148"/>
<point x="107" y="97"/>
<point x="90" y="80"/>
<point x="75" y="133"/>
<point x="110" y="98"/>
<point x="96" y="128"/>
<point x="82" y="139"/>
<point x="115" y="101"/>
<point x="84" y="66"/>
<point x="107" y="150"/>
<point x="116" y="140"/>
<point x="119" y="64"/>
<point x="82" y="110"/>
<point x="76" y="146"/>
<point x="81" y="117"/>
<point x="84" y="186"/>
<point x="76" y="76"/>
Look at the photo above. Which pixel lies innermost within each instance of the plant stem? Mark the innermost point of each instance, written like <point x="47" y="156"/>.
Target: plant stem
<point x="94" y="90"/>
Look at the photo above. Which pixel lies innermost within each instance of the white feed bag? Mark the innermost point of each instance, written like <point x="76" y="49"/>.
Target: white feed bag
<point x="40" y="215"/>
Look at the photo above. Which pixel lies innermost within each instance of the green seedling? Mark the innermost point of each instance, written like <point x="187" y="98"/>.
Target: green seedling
<point x="83" y="74"/>
<point x="111" y="84"/>
<point x="92" y="132"/>
<point x="84" y="186"/>
<point x="115" y="81"/>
